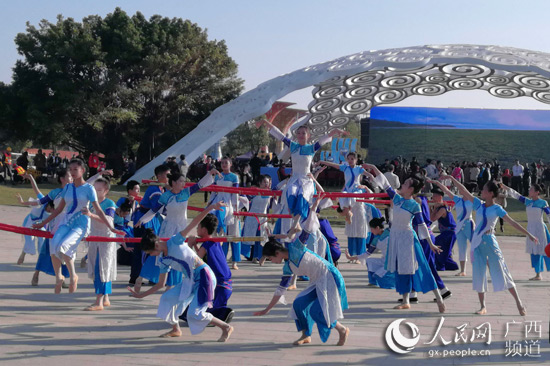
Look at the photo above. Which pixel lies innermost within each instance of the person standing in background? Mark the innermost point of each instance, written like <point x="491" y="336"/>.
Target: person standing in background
<point x="517" y="177"/>
<point x="93" y="163"/>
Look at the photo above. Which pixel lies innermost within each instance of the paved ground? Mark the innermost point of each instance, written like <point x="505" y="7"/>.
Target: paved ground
<point x="37" y="326"/>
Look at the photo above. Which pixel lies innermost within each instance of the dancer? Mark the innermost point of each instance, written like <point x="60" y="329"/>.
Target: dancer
<point x="174" y="203"/>
<point x="446" y="239"/>
<point x="429" y="254"/>
<point x="464" y="226"/>
<point x="38" y="213"/>
<point x="324" y="300"/>
<point x="196" y="291"/>
<point x="44" y="263"/>
<point x="256" y="226"/>
<point x="485" y="248"/>
<point x="102" y="265"/>
<point x="378" y="276"/>
<point x="144" y="266"/>
<point x="227" y="222"/>
<point x="300" y="188"/>
<point x="352" y="176"/>
<point x="536" y="207"/>
<point x="404" y="254"/>
<point x="215" y="258"/>
<point x="75" y="227"/>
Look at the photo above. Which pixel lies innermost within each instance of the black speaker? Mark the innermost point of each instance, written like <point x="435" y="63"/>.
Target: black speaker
<point x="365" y="133"/>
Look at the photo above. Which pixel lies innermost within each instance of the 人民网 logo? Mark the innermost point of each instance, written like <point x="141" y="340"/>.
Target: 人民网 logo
<point x="397" y="342"/>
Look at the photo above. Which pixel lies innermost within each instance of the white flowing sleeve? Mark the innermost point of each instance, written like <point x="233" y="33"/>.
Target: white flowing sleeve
<point x="514" y="194"/>
<point x="382" y="181"/>
<point x="207" y="180"/>
<point x="362" y="258"/>
<point x="324" y="139"/>
<point x="275" y="132"/>
<point x="311" y="225"/>
<point x="423" y="232"/>
<point x="147" y="217"/>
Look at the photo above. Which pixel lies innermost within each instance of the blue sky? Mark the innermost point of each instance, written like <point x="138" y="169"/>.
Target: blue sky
<point x="467" y="118"/>
<point x="270" y="38"/>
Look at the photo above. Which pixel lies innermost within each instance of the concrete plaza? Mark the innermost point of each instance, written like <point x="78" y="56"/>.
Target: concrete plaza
<point x="41" y="328"/>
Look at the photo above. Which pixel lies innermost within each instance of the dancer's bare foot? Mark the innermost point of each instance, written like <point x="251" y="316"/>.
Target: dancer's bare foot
<point x="21" y="259"/>
<point x="172" y="333"/>
<point x="262" y="261"/>
<point x="441" y="306"/>
<point x="94" y="307"/>
<point x="522" y="310"/>
<point x="34" y="281"/>
<point x="74" y="284"/>
<point x="402" y="306"/>
<point x="106" y="303"/>
<point x="461" y="274"/>
<point x="58" y="285"/>
<point x="234" y="266"/>
<point x="536" y="278"/>
<point x="482" y="311"/>
<point x="304" y="339"/>
<point x="291" y="287"/>
<point x="343" y="337"/>
<point x="226" y="334"/>
<point x="137" y="287"/>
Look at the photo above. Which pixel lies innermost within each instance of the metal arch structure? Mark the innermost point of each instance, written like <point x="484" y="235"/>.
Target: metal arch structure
<point x="350" y="86"/>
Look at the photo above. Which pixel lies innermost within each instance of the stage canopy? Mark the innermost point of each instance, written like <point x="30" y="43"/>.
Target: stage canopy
<point x="348" y="87"/>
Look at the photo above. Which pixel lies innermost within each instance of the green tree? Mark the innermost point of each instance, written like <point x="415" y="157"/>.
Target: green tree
<point x="246" y="138"/>
<point x="103" y="84"/>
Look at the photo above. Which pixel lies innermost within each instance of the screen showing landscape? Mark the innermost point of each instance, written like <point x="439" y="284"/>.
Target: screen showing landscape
<point x="450" y="134"/>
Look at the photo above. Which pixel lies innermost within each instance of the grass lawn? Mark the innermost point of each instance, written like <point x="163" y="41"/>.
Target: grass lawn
<point x="8" y="192"/>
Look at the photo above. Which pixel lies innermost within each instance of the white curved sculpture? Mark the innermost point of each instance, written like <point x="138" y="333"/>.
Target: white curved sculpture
<point x="352" y="85"/>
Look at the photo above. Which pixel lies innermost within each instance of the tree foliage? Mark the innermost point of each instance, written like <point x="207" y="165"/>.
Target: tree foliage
<point x="105" y="83"/>
<point x="246" y="138"/>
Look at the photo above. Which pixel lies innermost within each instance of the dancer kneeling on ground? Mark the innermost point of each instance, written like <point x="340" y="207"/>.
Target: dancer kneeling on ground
<point x="325" y="299"/>
<point x="196" y="290"/>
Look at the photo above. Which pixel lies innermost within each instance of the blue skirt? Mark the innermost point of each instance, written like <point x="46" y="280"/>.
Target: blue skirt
<point x="44" y="262"/>
<point x="422" y="280"/>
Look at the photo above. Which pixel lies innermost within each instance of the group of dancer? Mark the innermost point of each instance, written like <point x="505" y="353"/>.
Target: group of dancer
<point x="196" y="273"/>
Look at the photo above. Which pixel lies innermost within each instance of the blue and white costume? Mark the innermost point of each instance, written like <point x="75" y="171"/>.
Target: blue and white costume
<point x="376" y="266"/>
<point x="75" y="226"/>
<point x="175" y="208"/>
<point x="282" y="226"/>
<point x="37" y="214"/>
<point x="464" y="226"/>
<point x="300" y="188"/>
<point x="44" y="262"/>
<point x="102" y="266"/>
<point x="149" y="270"/>
<point x="256" y="226"/>
<point x="404" y="254"/>
<point x="535" y="225"/>
<point x="325" y="299"/>
<point x="358" y="231"/>
<point x="485" y="250"/>
<point x="227" y="222"/>
<point x="149" y="200"/>
<point x="195" y="291"/>
<point x="352" y="178"/>
<point x="175" y="220"/>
